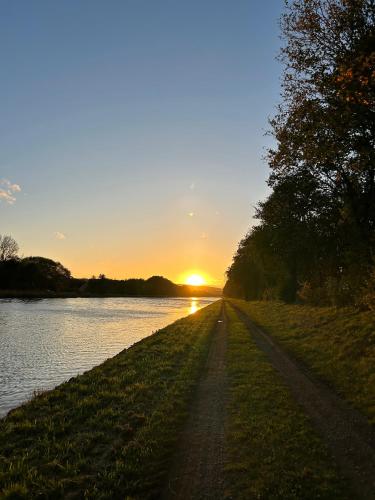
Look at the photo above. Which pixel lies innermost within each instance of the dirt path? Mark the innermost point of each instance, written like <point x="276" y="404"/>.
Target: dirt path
<point x="347" y="433"/>
<point x="198" y="467"/>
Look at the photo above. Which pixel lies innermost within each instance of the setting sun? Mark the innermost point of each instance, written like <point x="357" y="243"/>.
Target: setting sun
<point x="195" y="280"/>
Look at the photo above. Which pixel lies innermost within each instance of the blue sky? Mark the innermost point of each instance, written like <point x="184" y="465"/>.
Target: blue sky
<point x="135" y="130"/>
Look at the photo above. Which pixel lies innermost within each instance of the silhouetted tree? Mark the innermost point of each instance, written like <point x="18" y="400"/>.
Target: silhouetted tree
<point x="44" y="274"/>
<point x="326" y="124"/>
<point x="319" y="222"/>
<point x="34" y="273"/>
<point x="8" y="248"/>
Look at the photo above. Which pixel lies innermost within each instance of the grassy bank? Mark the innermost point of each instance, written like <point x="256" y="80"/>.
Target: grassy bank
<point x="272" y="450"/>
<point x="336" y="344"/>
<point x="110" y="432"/>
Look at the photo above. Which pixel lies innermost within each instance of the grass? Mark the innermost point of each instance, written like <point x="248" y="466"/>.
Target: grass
<point x="338" y="345"/>
<point x="272" y="450"/>
<point x="110" y="432"/>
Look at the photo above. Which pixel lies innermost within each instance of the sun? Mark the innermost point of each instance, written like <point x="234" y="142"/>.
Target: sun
<point x="195" y="280"/>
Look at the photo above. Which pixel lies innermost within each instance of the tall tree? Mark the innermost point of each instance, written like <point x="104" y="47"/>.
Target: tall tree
<point x="319" y="221"/>
<point x="326" y="124"/>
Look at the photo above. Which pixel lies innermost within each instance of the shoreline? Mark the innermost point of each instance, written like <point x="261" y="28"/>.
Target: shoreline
<point x="28" y="294"/>
<point x="106" y="418"/>
<point x="98" y="329"/>
<point x="118" y="429"/>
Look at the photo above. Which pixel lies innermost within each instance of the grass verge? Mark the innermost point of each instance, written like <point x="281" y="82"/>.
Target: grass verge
<point x="338" y="345"/>
<point x="272" y="450"/>
<point x="110" y="432"/>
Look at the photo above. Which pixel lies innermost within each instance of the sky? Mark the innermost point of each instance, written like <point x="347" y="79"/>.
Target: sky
<point x="132" y="132"/>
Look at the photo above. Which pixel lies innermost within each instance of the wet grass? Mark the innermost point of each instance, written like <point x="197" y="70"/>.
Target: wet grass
<point x="272" y="450"/>
<point x="338" y="345"/>
<point x="110" y="432"/>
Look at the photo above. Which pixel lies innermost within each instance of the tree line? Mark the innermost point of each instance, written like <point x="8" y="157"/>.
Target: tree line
<point x="40" y="276"/>
<point x="314" y="240"/>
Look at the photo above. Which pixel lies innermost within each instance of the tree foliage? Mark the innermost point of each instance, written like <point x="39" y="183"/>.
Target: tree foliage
<point x="34" y="273"/>
<point x="319" y="220"/>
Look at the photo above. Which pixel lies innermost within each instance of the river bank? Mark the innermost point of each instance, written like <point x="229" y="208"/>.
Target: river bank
<point x="134" y="426"/>
<point x="45" y="342"/>
<point x="108" y="432"/>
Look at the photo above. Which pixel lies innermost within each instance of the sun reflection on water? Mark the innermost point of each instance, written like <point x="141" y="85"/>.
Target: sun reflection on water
<point x="193" y="305"/>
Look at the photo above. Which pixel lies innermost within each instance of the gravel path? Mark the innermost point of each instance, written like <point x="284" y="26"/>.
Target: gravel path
<point x="347" y="433"/>
<point x="197" y="472"/>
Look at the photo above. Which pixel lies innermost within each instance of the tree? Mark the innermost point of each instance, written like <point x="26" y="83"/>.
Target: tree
<point x="44" y="274"/>
<point x="326" y="124"/>
<point x="317" y="228"/>
<point x="8" y="248"/>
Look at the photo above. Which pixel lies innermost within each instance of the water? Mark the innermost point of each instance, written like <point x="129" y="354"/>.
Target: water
<point x="45" y="342"/>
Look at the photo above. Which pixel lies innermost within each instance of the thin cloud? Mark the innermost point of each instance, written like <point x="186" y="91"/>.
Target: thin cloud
<point x="7" y="197"/>
<point x="59" y="236"/>
<point x="7" y="191"/>
<point x="15" y="188"/>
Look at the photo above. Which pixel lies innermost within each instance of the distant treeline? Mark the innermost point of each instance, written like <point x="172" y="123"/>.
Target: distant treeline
<point x="315" y="239"/>
<point x="38" y="276"/>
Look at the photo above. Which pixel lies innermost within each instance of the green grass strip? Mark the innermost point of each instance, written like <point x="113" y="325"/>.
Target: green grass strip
<point x="111" y="432"/>
<point x="338" y="345"/>
<point x="272" y="450"/>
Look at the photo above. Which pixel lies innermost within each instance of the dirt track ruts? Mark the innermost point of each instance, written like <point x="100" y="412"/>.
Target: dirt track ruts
<point x="347" y="433"/>
<point x="197" y="471"/>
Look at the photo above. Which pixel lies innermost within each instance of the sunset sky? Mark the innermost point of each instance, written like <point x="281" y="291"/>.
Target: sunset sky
<point x="132" y="131"/>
